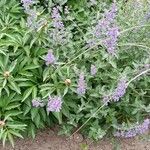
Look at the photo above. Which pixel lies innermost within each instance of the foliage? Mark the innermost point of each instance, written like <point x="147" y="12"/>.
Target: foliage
<point x="24" y="75"/>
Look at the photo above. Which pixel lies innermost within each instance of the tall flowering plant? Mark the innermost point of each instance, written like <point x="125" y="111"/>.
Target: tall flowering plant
<point x="83" y="65"/>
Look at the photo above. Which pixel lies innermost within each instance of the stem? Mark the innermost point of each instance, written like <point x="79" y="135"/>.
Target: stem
<point x="88" y="120"/>
<point x="131" y="28"/>
<point x="143" y="72"/>
<point x="134" y="44"/>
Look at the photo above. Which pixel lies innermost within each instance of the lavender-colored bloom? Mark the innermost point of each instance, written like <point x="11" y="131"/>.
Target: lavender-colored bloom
<point x="111" y="41"/>
<point x="57" y="23"/>
<point x="58" y="34"/>
<point x="81" y="89"/>
<point x="93" y="70"/>
<point x="111" y="14"/>
<point x="110" y="45"/>
<point x="37" y="103"/>
<point x="27" y="4"/>
<point x="54" y="104"/>
<point x="50" y="58"/>
<point x="113" y="33"/>
<point x="106" y="31"/>
<point x="137" y="130"/>
<point x="31" y="20"/>
<point x="120" y="90"/>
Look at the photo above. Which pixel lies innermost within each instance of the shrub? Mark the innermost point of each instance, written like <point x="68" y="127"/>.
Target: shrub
<point x="74" y="63"/>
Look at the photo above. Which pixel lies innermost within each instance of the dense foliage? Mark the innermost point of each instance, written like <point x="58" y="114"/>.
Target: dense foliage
<point x="77" y="63"/>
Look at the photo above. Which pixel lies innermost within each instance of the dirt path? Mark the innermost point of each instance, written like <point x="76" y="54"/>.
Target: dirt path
<point x="48" y="140"/>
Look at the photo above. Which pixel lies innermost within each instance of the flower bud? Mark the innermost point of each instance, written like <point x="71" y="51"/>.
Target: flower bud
<point x="6" y="74"/>
<point x="2" y="123"/>
<point x="67" y="81"/>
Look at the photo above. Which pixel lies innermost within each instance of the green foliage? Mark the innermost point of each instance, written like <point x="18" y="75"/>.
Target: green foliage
<point x="24" y="75"/>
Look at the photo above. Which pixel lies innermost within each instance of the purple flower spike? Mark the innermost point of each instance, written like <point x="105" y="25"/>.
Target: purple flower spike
<point x="57" y="23"/>
<point x="54" y="104"/>
<point x="50" y="58"/>
<point x="27" y="3"/>
<point x="81" y="89"/>
<point x="120" y="90"/>
<point x="111" y="42"/>
<point x="111" y="14"/>
<point x="137" y="130"/>
<point x="93" y="70"/>
<point x="37" y="103"/>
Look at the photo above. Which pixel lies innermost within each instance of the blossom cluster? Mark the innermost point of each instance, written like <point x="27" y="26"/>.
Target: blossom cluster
<point x="54" y="104"/>
<point x="50" y="58"/>
<point x="81" y="89"/>
<point x="37" y="103"/>
<point x="58" y="33"/>
<point x="118" y="92"/>
<point x="106" y="31"/>
<point x="137" y="130"/>
<point x="32" y="18"/>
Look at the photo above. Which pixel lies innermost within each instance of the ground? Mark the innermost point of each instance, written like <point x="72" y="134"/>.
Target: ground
<point x="49" y="140"/>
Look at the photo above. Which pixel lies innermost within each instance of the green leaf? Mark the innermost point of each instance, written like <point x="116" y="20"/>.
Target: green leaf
<point x="10" y="137"/>
<point x="15" y="87"/>
<point x="34" y="113"/>
<point x="27" y="94"/>
<point x="30" y="67"/>
<point x="32" y="130"/>
<point x="58" y="115"/>
<point x="37" y="120"/>
<point x="12" y="66"/>
<point x="4" y="136"/>
<point x="4" y="83"/>
<point x="34" y="92"/>
<point x="12" y="106"/>
<point x="45" y="74"/>
<point x="16" y="133"/>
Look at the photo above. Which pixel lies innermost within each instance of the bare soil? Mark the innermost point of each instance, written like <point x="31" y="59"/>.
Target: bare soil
<point x="49" y="140"/>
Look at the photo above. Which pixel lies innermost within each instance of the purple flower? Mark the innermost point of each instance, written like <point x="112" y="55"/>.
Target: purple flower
<point x="111" y="14"/>
<point x="57" y="23"/>
<point x="113" y="33"/>
<point x="110" y="45"/>
<point x="137" y="130"/>
<point x="93" y="70"/>
<point x="37" y="103"/>
<point x="111" y="41"/>
<point x="120" y="90"/>
<point x="58" y="34"/>
<point x="27" y="4"/>
<point x="54" y="104"/>
<point x="81" y="89"/>
<point x="106" y="31"/>
<point x="50" y="58"/>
